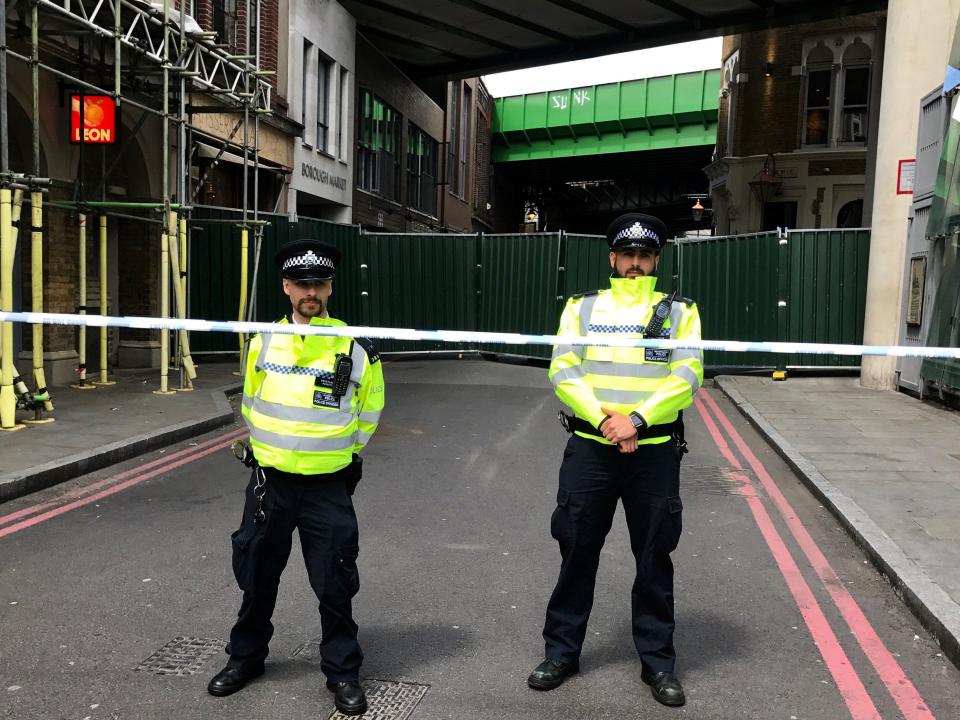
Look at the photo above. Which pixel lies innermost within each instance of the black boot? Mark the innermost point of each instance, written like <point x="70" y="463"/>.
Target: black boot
<point x="665" y="688"/>
<point x="348" y="697"/>
<point x="230" y="680"/>
<point x="551" y="673"/>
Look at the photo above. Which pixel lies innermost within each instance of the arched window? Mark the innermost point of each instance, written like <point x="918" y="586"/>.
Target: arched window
<point x="819" y="67"/>
<point x="856" y="93"/>
<point x="837" y="90"/>
<point x="851" y="215"/>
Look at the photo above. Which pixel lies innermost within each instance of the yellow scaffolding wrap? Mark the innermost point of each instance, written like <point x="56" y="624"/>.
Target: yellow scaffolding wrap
<point x="82" y="383"/>
<point x="165" y="304"/>
<point x="103" y="302"/>
<point x="8" y="399"/>
<point x="181" y="300"/>
<point x="242" y="311"/>
<point x="36" y="288"/>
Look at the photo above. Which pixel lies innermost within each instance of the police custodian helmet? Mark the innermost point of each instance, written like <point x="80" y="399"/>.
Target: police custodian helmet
<point x="307" y="260"/>
<point x="636" y="230"/>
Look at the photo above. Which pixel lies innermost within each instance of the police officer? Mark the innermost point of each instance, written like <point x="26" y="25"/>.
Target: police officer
<point x="312" y="404"/>
<point x="626" y="444"/>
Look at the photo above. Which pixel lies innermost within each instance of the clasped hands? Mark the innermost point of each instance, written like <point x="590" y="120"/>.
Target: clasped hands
<point x="619" y="429"/>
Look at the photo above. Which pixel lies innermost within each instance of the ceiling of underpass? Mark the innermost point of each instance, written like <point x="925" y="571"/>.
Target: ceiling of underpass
<point x="433" y="38"/>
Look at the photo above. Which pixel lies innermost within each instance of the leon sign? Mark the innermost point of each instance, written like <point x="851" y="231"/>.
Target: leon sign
<point x="99" y="119"/>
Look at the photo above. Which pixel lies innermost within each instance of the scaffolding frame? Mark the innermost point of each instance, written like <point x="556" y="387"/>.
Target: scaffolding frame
<point x="150" y="42"/>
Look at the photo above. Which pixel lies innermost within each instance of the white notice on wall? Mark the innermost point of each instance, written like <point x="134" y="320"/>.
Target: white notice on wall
<point x="906" y="172"/>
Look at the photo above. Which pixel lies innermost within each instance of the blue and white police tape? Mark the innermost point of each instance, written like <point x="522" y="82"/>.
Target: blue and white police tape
<point x="470" y="336"/>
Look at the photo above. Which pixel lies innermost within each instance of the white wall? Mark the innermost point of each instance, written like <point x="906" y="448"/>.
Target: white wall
<point x="919" y="36"/>
<point x="331" y="31"/>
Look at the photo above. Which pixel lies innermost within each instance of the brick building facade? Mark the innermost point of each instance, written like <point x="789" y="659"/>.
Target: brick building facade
<point x="803" y="102"/>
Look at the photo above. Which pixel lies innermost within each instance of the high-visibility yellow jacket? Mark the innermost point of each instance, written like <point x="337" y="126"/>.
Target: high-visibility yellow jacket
<point x="296" y="424"/>
<point x="656" y="384"/>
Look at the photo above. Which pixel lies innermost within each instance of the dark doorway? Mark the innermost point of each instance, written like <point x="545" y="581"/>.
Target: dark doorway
<point x="779" y="214"/>
<point x="851" y="215"/>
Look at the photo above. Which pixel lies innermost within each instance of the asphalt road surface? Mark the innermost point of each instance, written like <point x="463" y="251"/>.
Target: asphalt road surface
<point x="116" y="590"/>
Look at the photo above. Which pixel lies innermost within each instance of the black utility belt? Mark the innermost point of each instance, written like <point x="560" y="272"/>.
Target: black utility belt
<point x="572" y="424"/>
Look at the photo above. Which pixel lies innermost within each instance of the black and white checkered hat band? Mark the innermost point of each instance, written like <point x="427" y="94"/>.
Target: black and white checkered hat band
<point x="308" y="260"/>
<point x="636" y="232"/>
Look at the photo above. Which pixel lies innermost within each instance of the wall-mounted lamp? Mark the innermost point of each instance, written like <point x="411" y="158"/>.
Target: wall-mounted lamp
<point x="697" y="210"/>
<point x="768" y="70"/>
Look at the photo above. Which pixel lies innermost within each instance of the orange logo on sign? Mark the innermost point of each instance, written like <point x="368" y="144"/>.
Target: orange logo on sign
<point x="99" y="119"/>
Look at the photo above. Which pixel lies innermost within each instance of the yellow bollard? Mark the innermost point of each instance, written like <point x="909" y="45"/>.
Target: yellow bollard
<point x="103" y="304"/>
<point x="8" y="399"/>
<point x="82" y="383"/>
<point x="178" y="294"/>
<point x="244" y="251"/>
<point x="36" y="286"/>
<point x="165" y="312"/>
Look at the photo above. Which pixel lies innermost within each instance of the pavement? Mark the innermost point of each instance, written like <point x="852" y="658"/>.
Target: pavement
<point x="888" y="466"/>
<point x="117" y="590"/>
<point x="93" y="429"/>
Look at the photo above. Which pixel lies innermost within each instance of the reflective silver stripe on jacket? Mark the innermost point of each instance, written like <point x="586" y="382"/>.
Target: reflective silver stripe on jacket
<point x="628" y="370"/>
<point x="559" y="350"/>
<point x="676" y="311"/>
<point x="689" y="375"/>
<point x="299" y="443"/>
<point x="363" y="438"/>
<point x="678" y="355"/>
<point x="622" y="397"/>
<point x="586" y="310"/>
<point x="574" y="372"/>
<point x="371" y="416"/>
<point x="316" y="416"/>
<point x="262" y="356"/>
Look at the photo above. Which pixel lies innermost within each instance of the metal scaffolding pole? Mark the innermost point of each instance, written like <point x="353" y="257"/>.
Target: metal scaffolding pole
<point x="8" y="399"/>
<point x="164" y="237"/>
<point x="36" y="222"/>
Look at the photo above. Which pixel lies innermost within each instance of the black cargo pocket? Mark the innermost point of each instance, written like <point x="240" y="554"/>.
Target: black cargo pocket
<point x="246" y="542"/>
<point x="561" y="524"/>
<point x="671" y="525"/>
<point x="346" y="574"/>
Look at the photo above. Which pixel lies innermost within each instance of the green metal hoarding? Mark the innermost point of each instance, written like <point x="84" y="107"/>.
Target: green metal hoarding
<point x="804" y="285"/>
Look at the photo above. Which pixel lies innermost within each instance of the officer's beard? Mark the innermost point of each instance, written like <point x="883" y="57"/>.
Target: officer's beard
<point x="305" y="309"/>
<point x="640" y="272"/>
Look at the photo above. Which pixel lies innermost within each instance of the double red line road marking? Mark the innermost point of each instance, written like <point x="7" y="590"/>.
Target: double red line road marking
<point x="29" y="516"/>
<point x="851" y="688"/>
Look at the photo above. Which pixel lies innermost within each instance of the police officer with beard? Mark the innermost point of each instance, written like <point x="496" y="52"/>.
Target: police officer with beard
<point x="311" y="403"/>
<point x="626" y="444"/>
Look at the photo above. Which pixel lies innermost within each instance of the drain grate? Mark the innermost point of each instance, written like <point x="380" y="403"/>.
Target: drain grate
<point x="389" y="700"/>
<point x="181" y="656"/>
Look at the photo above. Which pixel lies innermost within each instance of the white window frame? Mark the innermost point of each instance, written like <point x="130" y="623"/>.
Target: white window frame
<point x="837" y="47"/>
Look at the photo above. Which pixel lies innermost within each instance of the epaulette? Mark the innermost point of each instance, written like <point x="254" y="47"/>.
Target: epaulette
<point x="584" y="294"/>
<point x="684" y="300"/>
<point x="367" y="344"/>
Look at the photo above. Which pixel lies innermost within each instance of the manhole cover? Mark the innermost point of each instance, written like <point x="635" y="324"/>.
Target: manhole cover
<point x="708" y="479"/>
<point x="181" y="656"/>
<point x="388" y="700"/>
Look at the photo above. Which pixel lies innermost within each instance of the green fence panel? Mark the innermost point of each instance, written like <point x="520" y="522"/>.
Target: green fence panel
<point x="519" y="281"/>
<point x="733" y="281"/>
<point x="806" y="286"/>
<point x="214" y="269"/>
<point x="426" y="282"/>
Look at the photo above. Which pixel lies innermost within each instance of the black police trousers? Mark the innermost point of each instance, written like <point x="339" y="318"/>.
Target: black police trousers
<point x="593" y="477"/>
<point x="321" y="509"/>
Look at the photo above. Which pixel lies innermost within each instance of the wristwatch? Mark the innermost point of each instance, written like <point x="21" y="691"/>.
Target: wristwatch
<point x="638" y="422"/>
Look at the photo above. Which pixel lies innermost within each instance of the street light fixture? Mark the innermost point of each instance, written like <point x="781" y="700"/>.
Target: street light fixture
<point x="697" y="211"/>
<point x="766" y="183"/>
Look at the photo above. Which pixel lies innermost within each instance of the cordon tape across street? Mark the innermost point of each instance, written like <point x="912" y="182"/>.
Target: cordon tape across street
<point x="461" y="336"/>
